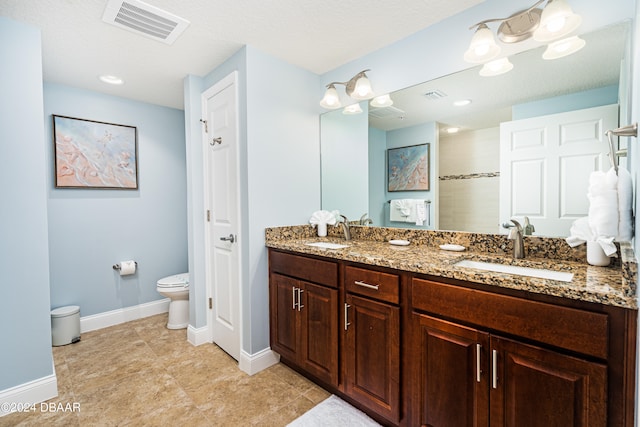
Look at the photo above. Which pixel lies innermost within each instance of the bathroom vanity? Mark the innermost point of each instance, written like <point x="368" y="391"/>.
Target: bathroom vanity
<point x="413" y="339"/>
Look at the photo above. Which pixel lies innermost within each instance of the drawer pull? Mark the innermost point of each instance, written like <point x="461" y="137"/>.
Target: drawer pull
<point x="366" y="285"/>
<point x="478" y="365"/>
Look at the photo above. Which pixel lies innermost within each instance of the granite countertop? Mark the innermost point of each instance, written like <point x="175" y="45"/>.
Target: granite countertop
<point x="613" y="285"/>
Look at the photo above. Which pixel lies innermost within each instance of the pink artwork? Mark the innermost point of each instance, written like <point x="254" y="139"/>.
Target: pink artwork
<point x="91" y="154"/>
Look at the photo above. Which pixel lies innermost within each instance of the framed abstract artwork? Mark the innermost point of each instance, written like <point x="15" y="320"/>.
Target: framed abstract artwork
<point x="92" y="154"/>
<point x="408" y="168"/>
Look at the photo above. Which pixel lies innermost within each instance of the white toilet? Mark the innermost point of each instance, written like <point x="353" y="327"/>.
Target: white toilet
<point x="176" y="288"/>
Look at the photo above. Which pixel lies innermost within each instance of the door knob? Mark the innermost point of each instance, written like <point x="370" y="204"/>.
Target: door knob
<point x="231" y="238"/>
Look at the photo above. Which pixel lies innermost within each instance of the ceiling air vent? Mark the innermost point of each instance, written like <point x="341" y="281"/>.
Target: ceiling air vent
<point x="144" y="19"/>
<point x="384" y="112"/>
<point x="435" y="94"/>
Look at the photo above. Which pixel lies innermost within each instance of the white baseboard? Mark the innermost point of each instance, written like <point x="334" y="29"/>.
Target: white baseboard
<point x="122" y="315"/>
<point x="31" y="393"/>
<point x="198" y="336"/>
<point x="254" y="363"/>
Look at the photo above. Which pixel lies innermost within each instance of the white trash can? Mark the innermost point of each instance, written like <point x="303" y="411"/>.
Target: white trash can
<point x="65" y="325"/>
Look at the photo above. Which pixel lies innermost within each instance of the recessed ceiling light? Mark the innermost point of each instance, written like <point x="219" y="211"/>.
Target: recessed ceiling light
<point x="453" y="130"/>
<point x="112" y="80"/>
<point x="462" y="102"/>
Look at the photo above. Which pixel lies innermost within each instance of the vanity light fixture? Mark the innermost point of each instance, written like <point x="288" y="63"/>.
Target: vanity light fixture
<point x="557" y="21"/>
<point x="496" y="67"/>
<point x="358" y="88"/>
<point x="564" y="47"/>
<point x="381" y="101"/>
<point x="553" y="22"/>
<point x="352" y="109"/>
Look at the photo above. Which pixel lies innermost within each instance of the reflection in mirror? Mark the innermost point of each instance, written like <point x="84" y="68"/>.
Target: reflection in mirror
<point x="344" y="162"/>
<point x="468" y="168"/>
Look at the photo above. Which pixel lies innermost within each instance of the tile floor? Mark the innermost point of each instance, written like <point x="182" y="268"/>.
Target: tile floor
<point x="142" y="374"/>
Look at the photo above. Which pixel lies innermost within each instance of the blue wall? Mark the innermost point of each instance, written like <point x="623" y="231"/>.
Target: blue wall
<point x="25" y="333"/>
<point x="279" y="173"/>
<point x="90" y="229"/>
<point x="606" y="95"/>
<point x="345" y="168"/>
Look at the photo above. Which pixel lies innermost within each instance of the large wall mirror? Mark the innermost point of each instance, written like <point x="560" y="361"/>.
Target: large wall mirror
<point x="468" y="170"/>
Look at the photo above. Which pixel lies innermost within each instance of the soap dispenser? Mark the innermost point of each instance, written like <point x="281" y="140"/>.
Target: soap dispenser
<point x="528" y="228"/>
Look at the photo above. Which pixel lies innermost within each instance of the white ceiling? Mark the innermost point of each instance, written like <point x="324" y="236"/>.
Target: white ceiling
<point x="315" y="35"/>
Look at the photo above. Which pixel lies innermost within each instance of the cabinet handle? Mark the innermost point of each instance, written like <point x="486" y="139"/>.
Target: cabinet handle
<point x="300" y="306"/>
<point x="478" y="365"/>
<point x="346" y="316"/>
<point x="494" y="369"/>
<point x="293" y="298"/>
<point x="366" y="285"/>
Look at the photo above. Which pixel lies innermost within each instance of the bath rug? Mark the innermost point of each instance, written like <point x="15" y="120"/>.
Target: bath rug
<point x="332" y="412"/>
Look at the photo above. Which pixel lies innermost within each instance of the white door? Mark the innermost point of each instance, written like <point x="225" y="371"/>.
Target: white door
<point x="223" y="216"/>
<point x="545" y="163"/>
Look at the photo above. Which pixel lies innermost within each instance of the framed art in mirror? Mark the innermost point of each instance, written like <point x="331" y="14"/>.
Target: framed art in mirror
<point x="92" y="154"/>
<point x="408" y="168"/>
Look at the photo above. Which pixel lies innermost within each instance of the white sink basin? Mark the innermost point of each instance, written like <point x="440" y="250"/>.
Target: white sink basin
<point x="327" y="245"/>
<point x="541" y="273"/>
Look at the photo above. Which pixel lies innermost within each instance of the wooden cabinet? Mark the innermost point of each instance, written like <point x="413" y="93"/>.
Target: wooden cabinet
<point x="473" y="378"/>
<point x="304" y="319"/>
<point x="414" y="350"/>
<point x="504" y="381"/>
<point x="372" y="330"/>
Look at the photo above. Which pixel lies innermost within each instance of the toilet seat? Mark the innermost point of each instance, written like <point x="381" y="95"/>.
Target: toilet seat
<point x="176" y="281"/>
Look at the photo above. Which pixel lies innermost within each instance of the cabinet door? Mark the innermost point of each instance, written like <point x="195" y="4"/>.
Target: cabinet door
<point x="319" y="332"/>
<point x="453" y="375"/>
<point x="284" y="316"/>
<point x="537" y="387"/>
<point x="373" y="355"/>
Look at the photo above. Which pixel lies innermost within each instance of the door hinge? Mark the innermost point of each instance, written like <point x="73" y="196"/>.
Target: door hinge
<point x="210" y="303"/>
<point x="208" y="215"/>
<point x="206" y="127"/>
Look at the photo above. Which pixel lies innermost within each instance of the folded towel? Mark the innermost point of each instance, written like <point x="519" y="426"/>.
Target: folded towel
<point x="581" y="232"/>
<point x="399" y="210"/>
<point x="625" y="205"/>
<point x="322" y="217"/>
<point x="421" y="213"/>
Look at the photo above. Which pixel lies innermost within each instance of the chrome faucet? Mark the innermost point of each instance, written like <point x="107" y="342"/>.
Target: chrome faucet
<point x="345" y="227"/>
<point x="515" y="234"/>
<point x="365" y="221"/>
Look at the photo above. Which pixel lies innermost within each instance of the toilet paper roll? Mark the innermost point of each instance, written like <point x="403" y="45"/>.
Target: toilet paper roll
<point x="127" y="268"/>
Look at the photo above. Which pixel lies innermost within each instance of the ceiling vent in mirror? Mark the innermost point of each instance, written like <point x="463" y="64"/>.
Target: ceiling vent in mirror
<point x="384" y="112"/>
<point x="435" y="94"/>
<point x="144" y="19"/>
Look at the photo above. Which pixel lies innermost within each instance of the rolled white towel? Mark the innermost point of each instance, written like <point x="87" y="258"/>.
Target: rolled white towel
<point x="625" y="206"/>
<point x="603" y="203"/>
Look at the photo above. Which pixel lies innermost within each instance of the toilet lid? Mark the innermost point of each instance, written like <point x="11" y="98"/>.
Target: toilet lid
<point x="177" y="280"/>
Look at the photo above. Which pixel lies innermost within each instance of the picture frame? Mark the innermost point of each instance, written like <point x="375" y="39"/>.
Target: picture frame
<point x="408" y="168"/>
<point x="95" y="155"/>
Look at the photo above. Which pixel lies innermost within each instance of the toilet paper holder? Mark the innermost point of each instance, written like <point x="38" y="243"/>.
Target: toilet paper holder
<point x="118" y="267"/>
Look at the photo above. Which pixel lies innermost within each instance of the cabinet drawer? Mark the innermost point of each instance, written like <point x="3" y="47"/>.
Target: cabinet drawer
<point x="573" y="329"/>
<point x="375" y="284"/>
<point x="309" y="269"/>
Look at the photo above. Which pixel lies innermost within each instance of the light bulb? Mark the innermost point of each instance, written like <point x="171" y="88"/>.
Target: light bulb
<point x="331" y="99"/>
